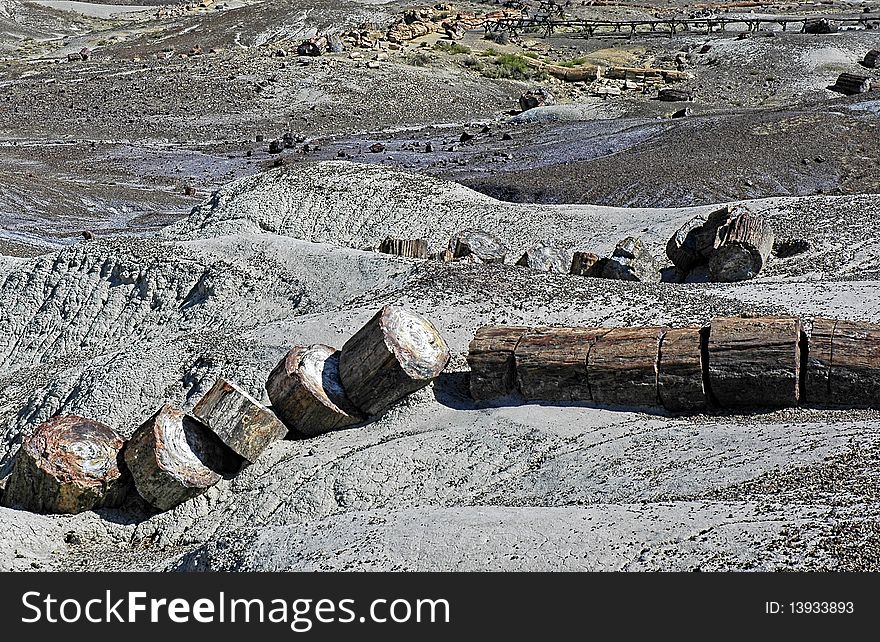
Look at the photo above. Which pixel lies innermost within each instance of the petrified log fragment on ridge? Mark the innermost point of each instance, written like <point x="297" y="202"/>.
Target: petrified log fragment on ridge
<point x="546" y="258"/>
<point x="409" y="248"/>
<point x="173" y="457"/>
<point x="755" y="363"/>
<point x="744" y="245"/>
<point x="551" y="363"/>
<point x="307" y="394"/>
<point x="680" y="370"/>
<point x="622" y="367"/>
<point x="693" y="243"/>
<point x="396" y="353"/>
<point x="241" y="422"/>
<point x="483" y="245"/>
<point x="492" y="362"/>
<point x="843" y="366"/>
<point x="68" y="465"/>
<point x="872" y="59"/>
<point x="587" y="264"/>
<point x="632" y="261"/>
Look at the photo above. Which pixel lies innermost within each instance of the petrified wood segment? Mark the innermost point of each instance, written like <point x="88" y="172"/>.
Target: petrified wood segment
<point x="492" y="362"/>
<point x="409" y="248"/>
<point x="551" y="363"/>
<point x="680" y="370"/>
<point x="240" y="421"/>
<point x="482" y="245"/>
<point x="632" y="261"/>
<point x="546" y="258"/>
<point x="307" y="394"/>
<point x="587" y="264"/>
<point x="693" y="243"/>
<point x="622" y="367"/>
<point x="744" y="245"/>
<point x="396" y="353"/>
<point x="755" y="363"/>
<point x="68" y="465"/>
<point x="845" y="357"/>
<point x="172" y="458"/>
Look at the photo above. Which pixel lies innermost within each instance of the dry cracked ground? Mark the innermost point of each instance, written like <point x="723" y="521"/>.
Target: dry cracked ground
<point x="181" y="286"/>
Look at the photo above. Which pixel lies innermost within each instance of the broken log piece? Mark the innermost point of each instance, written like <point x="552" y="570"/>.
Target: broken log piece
<point x="241" y="422"/>
<point x="755" y="363"/>
<point x="695" y="241"/>
<point x="492" y="362"/>
<point x="632" y="261"/>
<point x="622" y="367"/>
<point x="583" y="73"/>
<point x="396" y="353"/>
<point x="551" y="363"/>
<point x="843" y="366"/>
<point x="872" y="59"/>
<point x="680" y="370"/>
<point x="851" y="84"/>
<point x="68" y="465"/>
<point x="675" y="95"/>
<point x="172" y="458"/>
<point x="483" y="245"/>
<point x="546" y="258"/>
<point x="312" y="47"/>
<point x="587" y="264"/>
<point x="306" y="392"/>
<point x="409" y="248"/>
<point x="744" y="245"/>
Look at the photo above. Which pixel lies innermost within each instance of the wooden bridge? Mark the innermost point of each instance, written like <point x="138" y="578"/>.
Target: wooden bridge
<point x="547" y="24"/>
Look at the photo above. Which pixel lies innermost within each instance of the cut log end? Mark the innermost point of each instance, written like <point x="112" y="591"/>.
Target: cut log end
<point x="407" y="248"/>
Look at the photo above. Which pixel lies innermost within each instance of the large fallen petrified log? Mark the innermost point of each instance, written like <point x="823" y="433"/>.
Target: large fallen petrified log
<point x="241" y="422"/>
<point x="680" y="384"/>
<point x="396" y="353"/>
<point x="491" y="359"/>
<point x="622" y="367"/>
<point x="744" y="244"/>
<point x="307" y="393"/>
<point x="482" y="245"/>
<point x="551" y="363"/>
<point x="409" y="248"/>
<point x="68" y="465"/>
<point x="755" y="363"/>
<point x="173" y="457"/>
<point x="843" y="364"/>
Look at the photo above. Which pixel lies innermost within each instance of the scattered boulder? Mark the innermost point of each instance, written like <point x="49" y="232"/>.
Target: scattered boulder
<point x="632" y="261"/>
<point x="377" y="148"/>
<point x="682" y="113"/>
<point x="487" y="247"/>
<point x="546" y="258"/>
<point x="819" y="26"/>
<point x="276" y="146"/>
<point x="334" y="43"/>
<point x="312" y="47"/>
<point x="786" y="248"/>
<point x="693" y="243"/>
<point x="538" y="97"/>
<point x="872" y="59"/>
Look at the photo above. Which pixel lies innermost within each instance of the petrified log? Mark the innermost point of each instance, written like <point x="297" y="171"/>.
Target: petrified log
<point x="551" y="363"/>
<point x="241" y="422"/>
<point x="538" y="97"/>
<point x="574" y="74"/>
<point x="483" y="245"/>
<point x="675" y="95"/>
<point x="744" y="245"/>
<point x="851" y="84"/>
<point x="312" y="47"/>
<point x="546" y="258"/>
<point x="819" y="26"/>
<point x="632" y="261"/>
<point x="843" y="364"/>
<point x="755" y="363"/>
<point x="680" y="370"/>
<point x="587" y="264"/>
<point x="695" y="241"/>
<point x="492" y="362"/>
<point x="173" y="457"/>
<point x="622" y="367"/>
<point x="396" y="353"/>
<point x="409" y="248"/>
<point x="68" y="465"/>
<point x="307" y="394"/>
<point x="872" y="59"/>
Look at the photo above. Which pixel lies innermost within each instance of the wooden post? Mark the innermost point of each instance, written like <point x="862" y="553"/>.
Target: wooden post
<point x="755" y="363"/>
<point x="69" y="465"/>
<point x="622" y="367"/>
<point x="492" y="362"/>
<point x="843" y="364"/>
<point x="306" y="392"/>
<point x="680" y="370"/>
<point x="551" y="363"/>
<point x="240" y="421"/>
<point x="396" y="353"/>
<point x="482" y="245"/>
<point x="744" y="245"/>
<point x="173" y="457"/>
<point x="409" y="248"/>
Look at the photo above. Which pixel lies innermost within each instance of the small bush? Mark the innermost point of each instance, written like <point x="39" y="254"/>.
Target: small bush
<point x="574" y="62"/>
<point x="452" y="48"/>
<point x="418" y="59"/>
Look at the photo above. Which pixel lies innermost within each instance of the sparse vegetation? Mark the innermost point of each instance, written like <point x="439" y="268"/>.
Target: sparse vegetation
<point x="574" y="62"/>
<point x="452" y="48"/>
<point x="418" y="59"/>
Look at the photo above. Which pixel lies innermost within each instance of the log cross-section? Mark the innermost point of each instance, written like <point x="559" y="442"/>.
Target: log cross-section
<point x="622" y="367"/>
<point x="744" y="245"/>
<point x="492" y="362"/>
<point x="843" y="367"/>
<point x="551" y="363"/>
<point x="407" y="248"/>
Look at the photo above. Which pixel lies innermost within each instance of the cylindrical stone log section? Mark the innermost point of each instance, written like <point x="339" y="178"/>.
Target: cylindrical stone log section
<point x="240" y="421"/>
<point x="843" y="364"/>
<point x="755" y="363"/>
<point x="482" y="245"/>
<point x="743" y="249"/>
<point x="396" y="353"/>
<point x="622" y="367"/>
<point x="307" y="394"/>
<point x="587" y="264"/>
<point x="491" y="358"/>
<point x="68" y="465"/>
<point x="551" y="363"/>
<point x="680" y="382"/>
<point x="407" y="248"/>
<point x="173" y="457"/>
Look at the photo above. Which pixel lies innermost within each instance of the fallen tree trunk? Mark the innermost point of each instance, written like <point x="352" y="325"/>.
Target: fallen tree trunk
<point x="484" y="246"/>
<point x="745" y="243"/>
<point x="680" y="383"/>
<point x="173" y="458"/>
<point x="241" y="422"/>
<point x="622" y="367"/>
<point x="307" y="394"/>
<point x="68" y="465"/>
<point x="755" y="363"/>
<point x="492" y="362"/>
<point x="551" y="363"/>
<point x="817" y="378"/>
<point x="843" y="367"/>
<point x="409" y="248"/>
<point x="396" y="353"/>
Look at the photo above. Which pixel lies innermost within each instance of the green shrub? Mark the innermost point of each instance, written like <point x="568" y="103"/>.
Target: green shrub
<point x="452" y="47"/>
